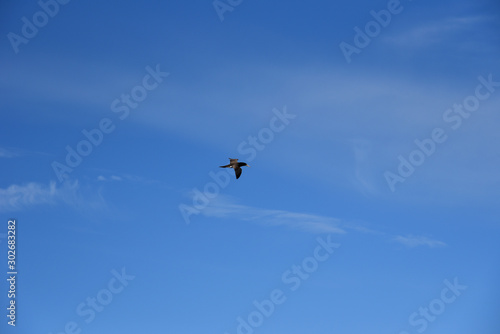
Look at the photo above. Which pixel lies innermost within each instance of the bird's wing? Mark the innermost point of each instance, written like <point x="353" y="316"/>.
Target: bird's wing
<point x="226" y="166"/>
<point x="237" y="171"/>
<point x="233" y="161"/>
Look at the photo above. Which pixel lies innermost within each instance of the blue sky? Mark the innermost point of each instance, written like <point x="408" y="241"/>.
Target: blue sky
<point x="372" y="200"/>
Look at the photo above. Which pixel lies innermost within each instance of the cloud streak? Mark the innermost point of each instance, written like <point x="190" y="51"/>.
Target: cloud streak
<point x="19" y="197"/>
<point x="226" y="208"/>
<point x="110" y="178"/>
<point x="8" y="153"/>
<point x="435" y="32"/>
<point x="414" y="241"/>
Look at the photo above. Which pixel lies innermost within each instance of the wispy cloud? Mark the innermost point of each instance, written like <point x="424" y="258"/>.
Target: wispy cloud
<point x="114" y="176"/>
<point x="363" y="171"/>
<point x="8" y="152"/>
<point x="18" y="197"/>
<point x="15" y="152"/>
<point x="225" y="208"/>
<point x="109" y="178"/>
<point x="414" y="241"/>
<point x="434" y="32"/>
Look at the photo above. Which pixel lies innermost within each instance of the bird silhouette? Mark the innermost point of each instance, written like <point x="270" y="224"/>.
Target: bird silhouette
<point x="233" y="163"/>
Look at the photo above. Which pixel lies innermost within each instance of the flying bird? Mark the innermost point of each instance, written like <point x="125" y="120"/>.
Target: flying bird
<point x="233" y="163"/>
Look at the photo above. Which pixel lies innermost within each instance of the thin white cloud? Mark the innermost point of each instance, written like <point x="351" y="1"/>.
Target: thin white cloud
<point x="110" y="178"/>
<point x="14" y="152"/>
<point x="414" y="241"/>
<point x="18" y="197"/>
<point x="224" y="208"/>
<point x="363" y="173"/>
<point x="434" y="32"/>
<point x="8" y="153"/>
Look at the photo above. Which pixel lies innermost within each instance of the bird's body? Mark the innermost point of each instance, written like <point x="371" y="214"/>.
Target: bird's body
<point x="233" y="163"/>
